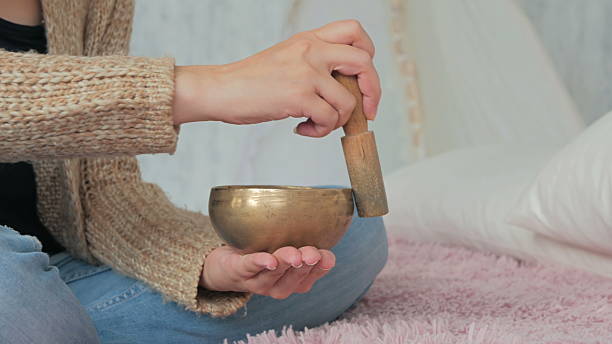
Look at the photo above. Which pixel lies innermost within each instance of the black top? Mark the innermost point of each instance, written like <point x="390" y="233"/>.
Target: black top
<point x="17" y="183"/>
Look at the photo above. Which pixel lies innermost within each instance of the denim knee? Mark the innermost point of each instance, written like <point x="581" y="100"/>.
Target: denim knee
<point x="11" y="240"/>
<point x="378" y="239"/>
<point x="36" y="306"/>
<point x="363" y="250"/>
<point x="366" y="236"/>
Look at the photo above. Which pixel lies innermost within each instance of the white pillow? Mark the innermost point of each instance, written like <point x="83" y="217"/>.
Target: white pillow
<point x="571" y="199"/>
<point x="463" y="197"/>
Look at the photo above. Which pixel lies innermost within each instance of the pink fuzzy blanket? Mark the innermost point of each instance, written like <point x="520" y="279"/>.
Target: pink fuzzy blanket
<point x="436" y="294"/>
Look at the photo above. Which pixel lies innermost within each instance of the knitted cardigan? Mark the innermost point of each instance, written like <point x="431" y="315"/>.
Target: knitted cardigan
<point x="80" y="114"/>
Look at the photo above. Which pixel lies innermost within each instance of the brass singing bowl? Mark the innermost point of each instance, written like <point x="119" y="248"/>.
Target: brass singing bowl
<point x="262" y="218"/>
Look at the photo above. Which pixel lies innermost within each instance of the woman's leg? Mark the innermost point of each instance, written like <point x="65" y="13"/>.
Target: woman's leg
<point x="126" y="311"/>
<point x="36" y="306"/>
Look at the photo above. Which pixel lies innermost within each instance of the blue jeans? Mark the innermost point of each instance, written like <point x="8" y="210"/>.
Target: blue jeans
<point x="64" y="300"/>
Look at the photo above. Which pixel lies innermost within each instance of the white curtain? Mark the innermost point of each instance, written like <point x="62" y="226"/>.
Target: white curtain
<point x="484" y="76"/>
<point x="577" y="35"/>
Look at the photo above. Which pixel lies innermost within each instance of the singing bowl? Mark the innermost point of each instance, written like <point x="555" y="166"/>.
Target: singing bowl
<point x="265" y="218"/>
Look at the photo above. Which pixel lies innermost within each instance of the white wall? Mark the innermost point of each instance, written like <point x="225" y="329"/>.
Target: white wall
<point x="578" y="35"/>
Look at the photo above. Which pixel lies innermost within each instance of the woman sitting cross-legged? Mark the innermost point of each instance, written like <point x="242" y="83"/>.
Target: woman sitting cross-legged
<point x="89" y="252"/>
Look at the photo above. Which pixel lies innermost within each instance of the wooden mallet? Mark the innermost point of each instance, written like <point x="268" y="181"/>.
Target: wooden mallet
<point x="361" y="157"/>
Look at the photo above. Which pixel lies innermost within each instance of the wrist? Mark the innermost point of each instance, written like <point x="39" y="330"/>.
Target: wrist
<point x="204" y="280"/>
<point x="193" y="86"/>
<point x="215" y="279"/>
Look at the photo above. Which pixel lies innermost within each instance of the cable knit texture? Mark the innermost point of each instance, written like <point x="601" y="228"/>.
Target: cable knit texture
<point x="79" y="115"/>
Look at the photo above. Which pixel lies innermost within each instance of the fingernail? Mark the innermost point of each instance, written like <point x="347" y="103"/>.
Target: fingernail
<point x="297" y="266"/>
<point x="311" y="264"/>
<point x="271" y="268"/>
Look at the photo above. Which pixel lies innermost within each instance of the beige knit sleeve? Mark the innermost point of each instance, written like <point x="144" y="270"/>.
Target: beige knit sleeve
<point x="57" y="106"/>
<point x="135" y="229"/>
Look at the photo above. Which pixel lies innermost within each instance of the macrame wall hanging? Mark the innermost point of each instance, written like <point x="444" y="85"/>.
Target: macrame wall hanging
<point x="409" y="80"/>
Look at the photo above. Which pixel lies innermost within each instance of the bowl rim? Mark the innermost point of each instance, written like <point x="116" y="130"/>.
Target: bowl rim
<point x="276" y="187"/>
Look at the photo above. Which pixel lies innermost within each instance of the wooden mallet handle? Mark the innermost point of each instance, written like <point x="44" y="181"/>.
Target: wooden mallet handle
<point x="361" y="157"/>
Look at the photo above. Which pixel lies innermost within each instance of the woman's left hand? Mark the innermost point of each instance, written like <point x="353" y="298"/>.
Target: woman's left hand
<point x="286" y="271"/>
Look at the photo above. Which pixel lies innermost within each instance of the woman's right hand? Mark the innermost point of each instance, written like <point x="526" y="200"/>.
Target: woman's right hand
<point x="286" y="271"/>
<point x="290" y="79"/>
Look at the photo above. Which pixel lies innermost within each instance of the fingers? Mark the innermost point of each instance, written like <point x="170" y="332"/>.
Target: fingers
<point x="345" y="47"/>
<point x="286" y="257"/>
<point x="369" y="84"/>
<point x="327" y="262"/>
<point x="349" y="60"/>
<point x="310" y="255"/>
<point x="293" y="278"/>
<point x="322" y="118"/>
<point x="337" y="96"/>
<point x="334" y="106"/>
<point x="289" y="255"/>
<point x="346" y="32"/>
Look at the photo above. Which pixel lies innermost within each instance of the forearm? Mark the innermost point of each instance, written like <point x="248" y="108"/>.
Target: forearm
<point x="68" y="106"/>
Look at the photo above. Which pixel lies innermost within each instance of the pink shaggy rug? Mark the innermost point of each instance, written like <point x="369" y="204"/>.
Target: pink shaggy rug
<point x="435" y="294"/>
